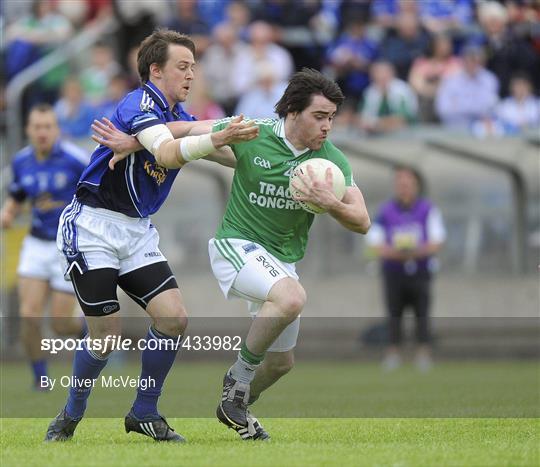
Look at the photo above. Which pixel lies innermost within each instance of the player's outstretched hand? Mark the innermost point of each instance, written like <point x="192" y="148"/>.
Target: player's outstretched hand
<point x="309" y="189"/>
<point x="238" y="131"/>
<point x="121" y="143"/>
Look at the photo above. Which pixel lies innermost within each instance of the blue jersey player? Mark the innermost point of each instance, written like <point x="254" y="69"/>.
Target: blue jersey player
<point x="45" y="173"/>
<point x="107" y="238"/>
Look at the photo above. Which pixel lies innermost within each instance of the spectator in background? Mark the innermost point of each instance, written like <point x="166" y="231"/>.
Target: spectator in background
<point x="200" y="104"/>
<point x="468" y="95"/>
<point x="186" y="20"/>
<point x="295" y="27"/>
<point x="428" y="71"/>
<point x="131" y="66"/>
<point x="389" y="103"/>
<point x="259" y="101"/>
<point x="227" y="52"/>
<point x="98" y="9"/>
<point x="447" y="16"/>
<point x="263" y="49"/>
<point x="118" y="87"/>
<point x="406" y="234"/>
<point x="45" y="173"/>
<point x="507" y="53"/>
<point x="520" y="111"/>
<point x="30" y="38"/>
<point x="136" y="20"/>
<point x="96" y="78"/>
<point x="349" y="60"/>
<point x="213" y="11"/>
<point x="385" y="12"/>
<point x="34" y="35"/>
<point x="74" y="113"/>
<point x="347" y="9"/>
<point x="238" y="15"/>
<point x="523" y="16"/>
<point x="405" y="43"/>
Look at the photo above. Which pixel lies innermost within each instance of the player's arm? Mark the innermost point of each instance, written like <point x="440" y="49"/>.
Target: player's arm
<point x="225" y="155"/>
<point x="10" y="210"/>
<point x="173" y="152"/>
<point x="351" y="211"/>
<point x="121" y="143"/>
<point x="198" y="127"/>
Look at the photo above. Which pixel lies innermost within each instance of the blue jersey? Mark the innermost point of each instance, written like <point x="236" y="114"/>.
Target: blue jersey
<point x="49" y="184"/>
<point x="138" y="186"/>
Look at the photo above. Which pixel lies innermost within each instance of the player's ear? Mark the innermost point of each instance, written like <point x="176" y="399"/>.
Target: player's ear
<point x="293" y="115"/>
<point x="155" y="70"/>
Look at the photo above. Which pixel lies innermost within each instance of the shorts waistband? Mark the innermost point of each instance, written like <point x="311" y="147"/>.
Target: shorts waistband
<point x="113" y="215"/>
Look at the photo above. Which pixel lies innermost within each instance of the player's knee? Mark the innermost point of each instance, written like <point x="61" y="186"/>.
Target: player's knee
<point x="105" y="332"/>
<point x="177" y="326"/>
<point x="281" y="367"/>
<point x="30" y="311"/>
<point x="293" y="303"/>
<point x="172" y="326"/>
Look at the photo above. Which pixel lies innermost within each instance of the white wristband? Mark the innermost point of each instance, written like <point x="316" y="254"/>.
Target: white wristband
<point x="195" y="147"/>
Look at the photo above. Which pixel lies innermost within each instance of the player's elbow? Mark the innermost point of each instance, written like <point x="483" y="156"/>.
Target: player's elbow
<point x="167" y="155"/>
<point x="366" y="225"/>
<point x="362" y="225"/>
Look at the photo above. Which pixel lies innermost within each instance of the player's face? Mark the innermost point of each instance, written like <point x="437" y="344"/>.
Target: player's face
<point x="42" y="130"/>
<point x="406" y="187"/>
<point x="177" y="74"/>
<point x="314" y="123"/>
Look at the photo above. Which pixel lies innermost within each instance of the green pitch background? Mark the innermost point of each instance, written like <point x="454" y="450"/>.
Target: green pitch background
<point x="460" y="414"/>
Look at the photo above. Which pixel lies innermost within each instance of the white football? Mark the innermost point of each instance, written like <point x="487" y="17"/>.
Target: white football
<point x="319" y="167"/>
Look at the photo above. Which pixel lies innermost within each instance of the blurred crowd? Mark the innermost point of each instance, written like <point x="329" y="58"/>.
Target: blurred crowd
<point x="469" y="65"/>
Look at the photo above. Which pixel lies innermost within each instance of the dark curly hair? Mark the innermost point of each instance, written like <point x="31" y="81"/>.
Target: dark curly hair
<point x="301" y="89"/>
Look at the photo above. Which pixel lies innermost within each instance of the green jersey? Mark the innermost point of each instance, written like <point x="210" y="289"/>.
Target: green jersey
<point x="260" y="207"/>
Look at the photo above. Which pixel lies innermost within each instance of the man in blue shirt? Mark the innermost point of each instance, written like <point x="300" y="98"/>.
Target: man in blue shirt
<point x="45" y="173"/>
<point x="108" y="239"/>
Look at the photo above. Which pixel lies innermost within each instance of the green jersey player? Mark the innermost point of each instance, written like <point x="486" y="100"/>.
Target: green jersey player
<point x="260" y="207"/>
<point x="264" y="233"/>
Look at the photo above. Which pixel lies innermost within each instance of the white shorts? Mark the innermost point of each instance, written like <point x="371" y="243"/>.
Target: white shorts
<point x="95" y="238"/>
<point x="245" y="269"/>
<point x="39" y="259"/>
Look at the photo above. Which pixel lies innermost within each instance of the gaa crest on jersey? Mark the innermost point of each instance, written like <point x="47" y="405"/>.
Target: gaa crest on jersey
<point x="262" y="162"/>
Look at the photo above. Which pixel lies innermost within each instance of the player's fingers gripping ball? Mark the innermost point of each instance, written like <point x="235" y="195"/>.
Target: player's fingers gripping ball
<point x="302" y="177"/>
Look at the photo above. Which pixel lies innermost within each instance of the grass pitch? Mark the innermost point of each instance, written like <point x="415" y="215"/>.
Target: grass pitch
<point x="295" y="442"/>
<point x="460" y="414"/>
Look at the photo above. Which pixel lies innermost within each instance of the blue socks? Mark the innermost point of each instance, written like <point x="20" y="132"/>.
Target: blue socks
<point x="157" y="360"/>
<point x="39" y="368"/>
<point x="155" y="367"/>
<point x="86" y="367"/>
